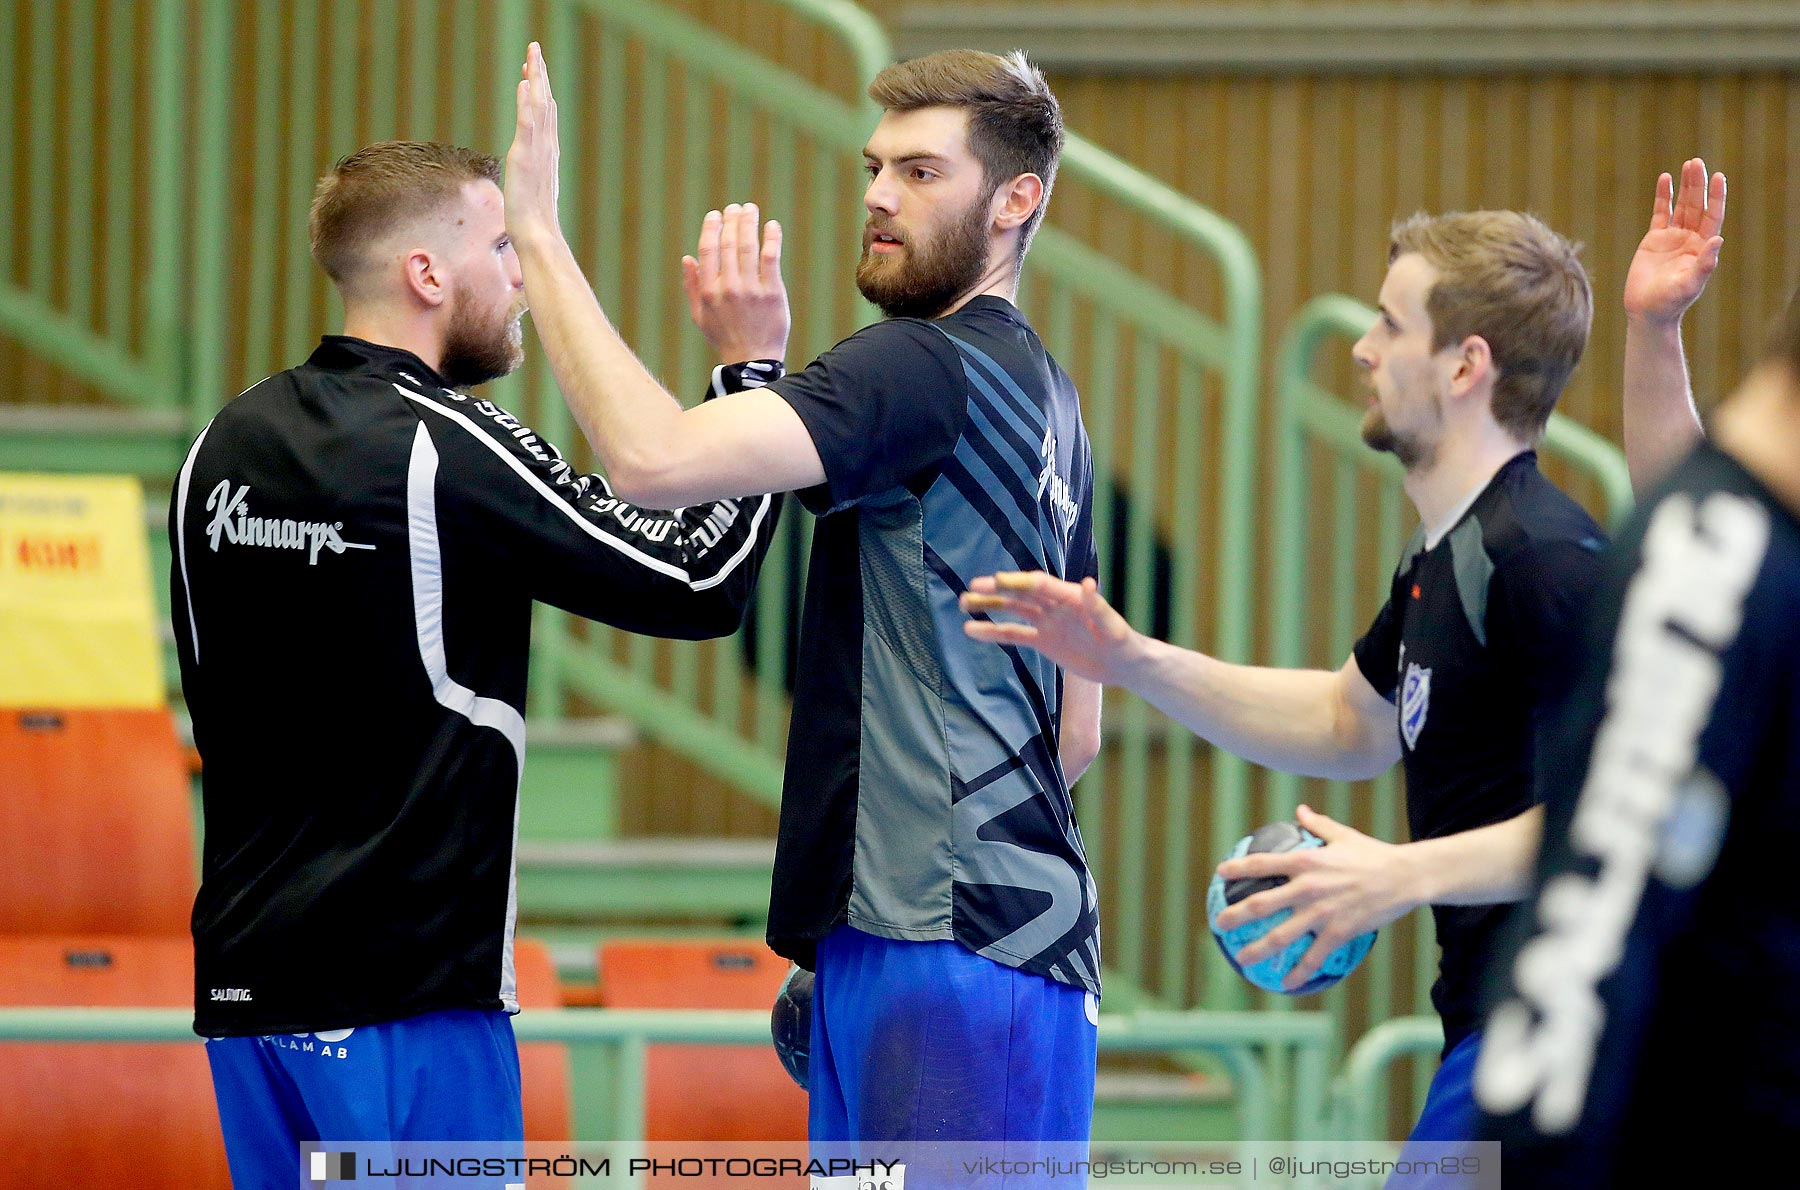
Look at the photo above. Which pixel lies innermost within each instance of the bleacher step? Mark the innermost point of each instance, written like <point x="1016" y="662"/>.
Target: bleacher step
<point x="647" y="880"/>
<point x="148" y="443"/>
<point x="1149" y="1105"/>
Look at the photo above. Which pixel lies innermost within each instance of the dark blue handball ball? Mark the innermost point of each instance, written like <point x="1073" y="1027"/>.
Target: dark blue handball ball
<point x="790" y="1023"/>
<point x="1268" y="974"/>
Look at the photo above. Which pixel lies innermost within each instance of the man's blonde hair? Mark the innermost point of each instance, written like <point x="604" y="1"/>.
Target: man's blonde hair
<point x="1505" y="276"/>
<point x="381" y="187"/>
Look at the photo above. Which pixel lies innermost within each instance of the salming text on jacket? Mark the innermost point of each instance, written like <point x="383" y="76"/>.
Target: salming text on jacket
<point x="356" y="552"/>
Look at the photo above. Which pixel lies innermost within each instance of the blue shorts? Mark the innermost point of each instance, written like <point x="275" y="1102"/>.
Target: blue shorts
<point x="928" y="1041"/>
<point x="1449" y="1116"/>
<point x="444" y="1076"/>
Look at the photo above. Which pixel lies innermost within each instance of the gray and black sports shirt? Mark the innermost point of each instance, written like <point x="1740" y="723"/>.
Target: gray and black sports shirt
<point x="924" y="798"/>
<point x="1475" y="646"/>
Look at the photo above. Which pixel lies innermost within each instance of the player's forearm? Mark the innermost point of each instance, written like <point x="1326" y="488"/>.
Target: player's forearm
<point x="1490" y="865"/>
<point x="1078" y="741"/>
<point x="1661" y="422"/>
<point x="1075" y="756"/>
<point x="630" y="420"/>
<point x="1294" y="720"/>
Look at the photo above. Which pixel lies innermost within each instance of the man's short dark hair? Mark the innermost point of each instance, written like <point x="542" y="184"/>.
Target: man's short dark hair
<point x="1015" y="123"/>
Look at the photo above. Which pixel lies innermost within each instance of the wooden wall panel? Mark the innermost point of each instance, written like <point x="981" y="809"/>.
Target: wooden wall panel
<point x="1052" y="5"/>
<point x="1315" y="170"/>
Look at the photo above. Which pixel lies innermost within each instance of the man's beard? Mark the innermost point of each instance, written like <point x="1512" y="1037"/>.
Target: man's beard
<point x="1412" y="451"/>
<point x="924" y="277"/>
<point x="476" y="352"/>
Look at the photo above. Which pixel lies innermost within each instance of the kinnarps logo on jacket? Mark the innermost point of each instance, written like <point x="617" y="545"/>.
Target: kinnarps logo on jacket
<point x="232" y="522"/>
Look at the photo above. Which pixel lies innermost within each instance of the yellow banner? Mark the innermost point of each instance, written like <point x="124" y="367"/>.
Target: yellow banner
<point x="77" y="617"/>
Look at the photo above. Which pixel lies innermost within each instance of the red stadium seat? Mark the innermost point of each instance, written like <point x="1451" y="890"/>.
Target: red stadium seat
<point x="96" y="825"/>
<point x="723" y="1093"/>
<point x="109" y="1114"/>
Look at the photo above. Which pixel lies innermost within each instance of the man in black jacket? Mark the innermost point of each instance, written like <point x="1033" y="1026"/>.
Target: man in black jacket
<point x="357" y="546"/>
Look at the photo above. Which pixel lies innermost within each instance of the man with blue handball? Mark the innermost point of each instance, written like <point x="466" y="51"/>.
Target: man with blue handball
<point x="928" y="866"/>
<point x="1483" y="316"/>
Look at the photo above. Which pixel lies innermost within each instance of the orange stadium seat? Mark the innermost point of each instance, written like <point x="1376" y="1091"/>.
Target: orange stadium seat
<point x="692" y="1092"/>
<point x="142" y="1114"/>
<point x="105" y="1114"/>
<point x="543" y="1065"/>
<point x="96" y="826"/>
<point x="96" y="888"/>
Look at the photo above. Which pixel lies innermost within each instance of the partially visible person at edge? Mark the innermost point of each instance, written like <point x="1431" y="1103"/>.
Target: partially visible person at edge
<point x="1643" y="1008"/>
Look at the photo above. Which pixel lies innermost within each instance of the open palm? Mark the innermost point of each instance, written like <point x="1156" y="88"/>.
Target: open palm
<point x="1070" y="623"/>
<point x="1680" y="251"/>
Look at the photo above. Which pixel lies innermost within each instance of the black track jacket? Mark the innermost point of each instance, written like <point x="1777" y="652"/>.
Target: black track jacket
<point x="356" y="552"/>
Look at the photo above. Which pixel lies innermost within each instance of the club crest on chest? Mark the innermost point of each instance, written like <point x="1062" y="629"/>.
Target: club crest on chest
<point x="1415" y="702"/>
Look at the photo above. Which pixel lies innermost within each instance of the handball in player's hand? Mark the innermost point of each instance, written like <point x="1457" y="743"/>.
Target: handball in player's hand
<point x="790" y="1023"/>
<point x="1269" y="973"/>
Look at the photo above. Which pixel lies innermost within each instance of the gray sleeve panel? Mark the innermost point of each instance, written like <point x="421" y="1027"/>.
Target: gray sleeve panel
<point x="1415" y="545"/>
<point x="1474" y="570"/>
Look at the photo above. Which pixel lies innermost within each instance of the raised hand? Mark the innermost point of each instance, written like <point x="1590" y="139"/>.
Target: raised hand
<point x="531" y="163"/>
<point x="734" y="287"/>
<point x="1072" y="625"/>
<point x="1681" y="249"/>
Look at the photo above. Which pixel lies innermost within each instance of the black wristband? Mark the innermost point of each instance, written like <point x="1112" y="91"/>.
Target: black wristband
<point x="735" y="378"/>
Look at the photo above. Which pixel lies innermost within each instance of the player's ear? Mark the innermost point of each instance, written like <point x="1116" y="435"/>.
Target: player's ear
<point x="423" y="275"/>
<point x="1472" y="364"/>
<point x="1017" y="200"/>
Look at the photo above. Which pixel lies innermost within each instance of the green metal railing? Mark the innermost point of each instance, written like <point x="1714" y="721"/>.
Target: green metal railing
<point x="165" y="154"/>
<point x="1359" y="1095"/>
<point x="1342" y="519"/>
<point x="1243" y="1042"/>
<point x="1171" y="405"/>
